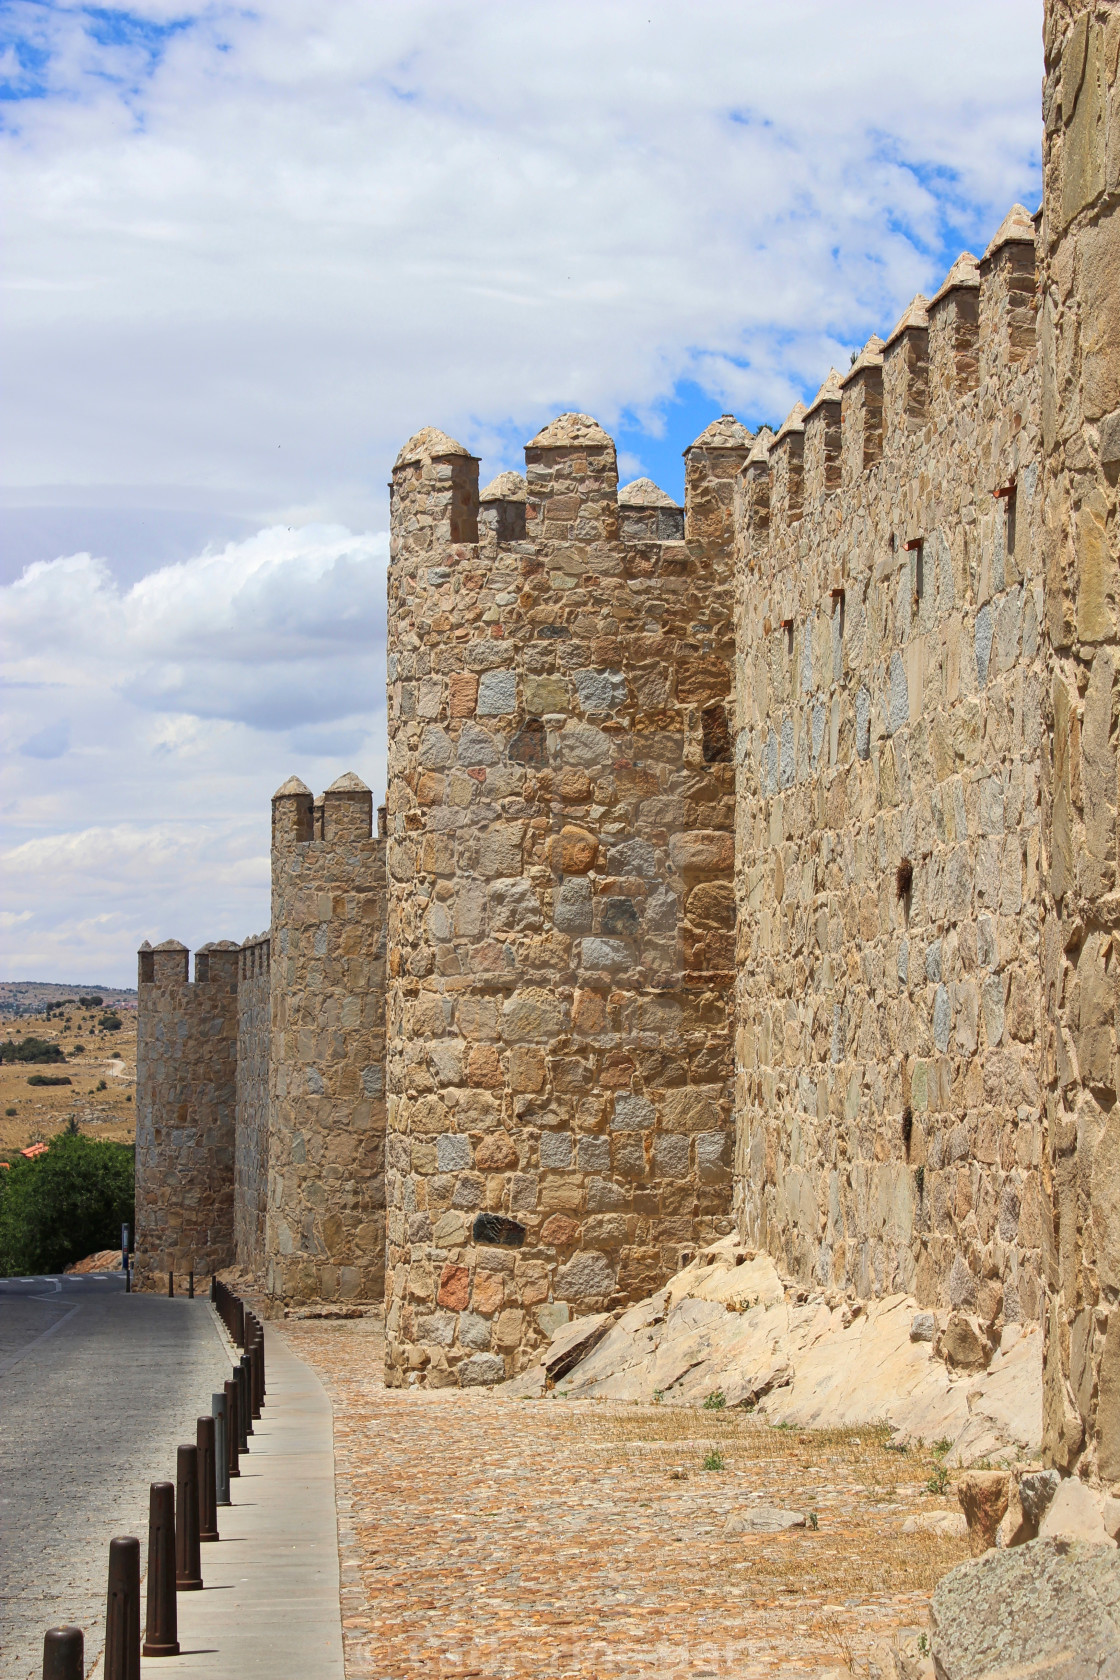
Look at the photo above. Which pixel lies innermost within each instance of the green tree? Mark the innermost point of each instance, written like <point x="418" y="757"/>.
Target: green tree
<point x="64" y="1204"/>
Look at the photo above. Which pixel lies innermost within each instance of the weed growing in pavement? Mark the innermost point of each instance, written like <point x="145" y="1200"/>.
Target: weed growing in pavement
<point x="713" y="1461"/>
<point x="939" y="1481"/>
<point x="814" y="1520"/>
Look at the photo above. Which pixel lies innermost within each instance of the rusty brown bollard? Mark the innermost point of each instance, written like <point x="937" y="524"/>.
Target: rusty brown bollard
<point x="122" y="1612"/>
<point x="190" y="1285"/>
<point x="244" y="1406"/>
<point x="188" y="1560"/>
<point x="254" y="1384"/>
<point x="170" y="1286"/>
<point x="233" y="1432"/>
<point x="64" y="1654"/>
<point x="161" y="1634"/>
<point x="207" y="1487"/>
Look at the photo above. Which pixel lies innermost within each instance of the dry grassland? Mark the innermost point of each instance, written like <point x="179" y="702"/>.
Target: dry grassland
<point x="43" y="1110"/>
<point x="577" y="1540"/>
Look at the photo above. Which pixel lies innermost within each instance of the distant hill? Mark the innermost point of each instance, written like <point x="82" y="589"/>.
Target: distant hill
<point x="31" y="997"/>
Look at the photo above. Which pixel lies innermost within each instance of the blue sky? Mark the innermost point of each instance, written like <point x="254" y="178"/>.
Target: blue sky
<point x="250" y="249"/>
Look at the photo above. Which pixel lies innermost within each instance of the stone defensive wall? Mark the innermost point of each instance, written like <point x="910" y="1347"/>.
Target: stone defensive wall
<point x="251" y="1134"/>
<point x="890" y="688"/>
<point x="560" y="851"/>
<point x="1080" y="331"/>
<point x="186" y="1103"/>
<point x="325" y="1224"/>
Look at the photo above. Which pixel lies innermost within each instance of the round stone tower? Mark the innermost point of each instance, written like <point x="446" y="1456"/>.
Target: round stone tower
<point x="560" y="816"/>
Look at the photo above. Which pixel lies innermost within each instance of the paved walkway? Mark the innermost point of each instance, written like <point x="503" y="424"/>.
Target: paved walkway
<point x="553" y="1540"/>
<point x="97" y="1389"/>
<point x="270" y="1605"/>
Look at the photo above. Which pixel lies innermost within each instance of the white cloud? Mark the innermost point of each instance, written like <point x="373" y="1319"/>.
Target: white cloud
<point x="258" y="253"/>
<point x="250" y="250"/>
<point x="152" y="724"/>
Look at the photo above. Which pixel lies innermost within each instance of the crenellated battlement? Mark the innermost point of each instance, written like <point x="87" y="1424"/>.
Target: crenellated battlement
<point x="896" y="405"/>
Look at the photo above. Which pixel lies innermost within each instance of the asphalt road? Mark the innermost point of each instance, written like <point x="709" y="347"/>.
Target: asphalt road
<point x="97" y="1389"/>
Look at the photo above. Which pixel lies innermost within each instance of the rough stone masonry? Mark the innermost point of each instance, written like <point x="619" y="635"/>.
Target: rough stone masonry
<point x="751" y="862"/>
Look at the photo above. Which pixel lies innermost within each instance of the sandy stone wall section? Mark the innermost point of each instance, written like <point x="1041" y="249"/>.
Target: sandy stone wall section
<point x="252" y="1128"/>
<point x="560" y="924"/>
<point x="889" y="691"/>
<point x="1080" y="250"/>
<point x="325" y="1225"/>
<point x="186" y="1100"/>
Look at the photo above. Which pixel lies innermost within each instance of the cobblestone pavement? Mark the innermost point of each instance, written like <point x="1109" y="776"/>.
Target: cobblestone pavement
<point x="92" y="1413"/>
<point x="548" y="1539"/>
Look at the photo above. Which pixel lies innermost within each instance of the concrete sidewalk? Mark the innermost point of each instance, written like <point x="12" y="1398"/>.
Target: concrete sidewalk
<point x="270" y="1606"/>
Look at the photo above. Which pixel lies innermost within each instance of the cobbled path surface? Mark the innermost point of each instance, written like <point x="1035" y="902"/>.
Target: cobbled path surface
<point x="488" y="1537"/>
<point x="92" y="1413"/>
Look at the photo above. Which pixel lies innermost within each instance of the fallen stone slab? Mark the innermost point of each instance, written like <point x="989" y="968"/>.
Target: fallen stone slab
<point x="1049" y="1609"/>
<point x="573" y="1342"/>
<point x="764" y="1519"/>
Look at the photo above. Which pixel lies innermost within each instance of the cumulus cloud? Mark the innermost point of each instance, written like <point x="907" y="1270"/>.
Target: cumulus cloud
<point x="251" y="249"/>
<point x="158" y="720"/>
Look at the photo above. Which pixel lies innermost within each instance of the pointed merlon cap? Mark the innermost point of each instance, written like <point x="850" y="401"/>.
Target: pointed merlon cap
<point x="571" y="431"/>
<point x="146" y="946"/>
<point x="793" y="422"/>
<point x="965" y="273"/>
<point x="760" y="454"/>
<point x="871" y="356"/>
<point x="507" y="487"/>
<point x="1017" y="228"/>
<point x="430" y="444"/>
<point x="291" y="787"/>
<point x="916" y="314"/>
<point x="829" y="392"/>
<point x="170" y="945"/>
<point x="348" y="783"/>
<point x="221" y="945"/>
<point x="644" y="493"/>
<point x="724" y="433"/>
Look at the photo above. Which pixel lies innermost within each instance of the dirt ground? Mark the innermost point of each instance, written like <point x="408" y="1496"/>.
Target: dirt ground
<point x="41" y="1111"/>
<point x="546" y="1539"/>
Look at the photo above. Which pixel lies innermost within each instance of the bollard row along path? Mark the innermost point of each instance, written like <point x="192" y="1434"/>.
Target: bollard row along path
<point x="232" y="1589"/>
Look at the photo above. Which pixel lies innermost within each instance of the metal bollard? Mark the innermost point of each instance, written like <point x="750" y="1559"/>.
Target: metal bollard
<point x="161" y="1634"/>
<point x="170" y="1286"/>
<point x="233" y="1432"/>
<point x="207" y="1487"/>
<point x="245" y="1403"/>
<point x="188" y="1559"/>
<point x="221" y="1448"/>
<point x="190" y="1285"/>
<point x="254" y="1374"/>
<point x="64" y="1654"/>
<point x="122" y="1612"/>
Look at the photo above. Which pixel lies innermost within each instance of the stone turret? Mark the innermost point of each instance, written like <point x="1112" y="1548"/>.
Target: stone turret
<point x="325" y="1224"/>
<point x="186" y="1098"/>
<point x="559" y="817"/>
